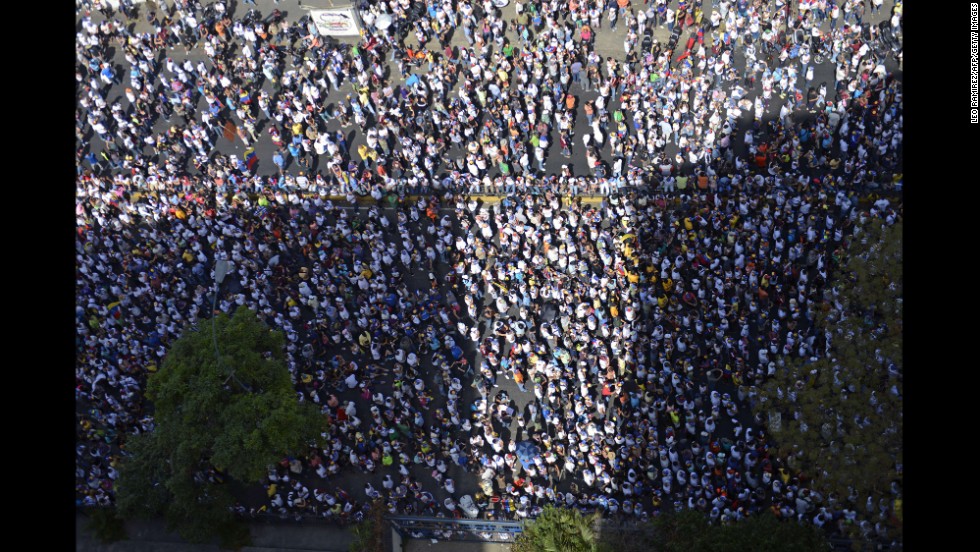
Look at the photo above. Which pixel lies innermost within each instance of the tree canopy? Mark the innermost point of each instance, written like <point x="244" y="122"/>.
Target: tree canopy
<point x="566" y="529"/>
<point x="216" y="417"/>
<point x="690" y="530"/>
<point x="558" y="530"/>
<point x="369" y="534"/>
<point x="841" y="414"/>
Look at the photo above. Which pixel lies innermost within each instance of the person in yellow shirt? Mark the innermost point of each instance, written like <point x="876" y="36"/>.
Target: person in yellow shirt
<point x="362" y="150"/>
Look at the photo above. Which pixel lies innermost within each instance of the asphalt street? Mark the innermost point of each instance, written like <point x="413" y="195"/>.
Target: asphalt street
<point x="607" y="42"/>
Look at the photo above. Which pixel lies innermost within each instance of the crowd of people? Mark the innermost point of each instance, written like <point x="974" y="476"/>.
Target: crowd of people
<point x="637" y="329"/>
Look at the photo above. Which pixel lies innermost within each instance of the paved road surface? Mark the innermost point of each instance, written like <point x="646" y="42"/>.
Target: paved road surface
<point x="607" y="42"/>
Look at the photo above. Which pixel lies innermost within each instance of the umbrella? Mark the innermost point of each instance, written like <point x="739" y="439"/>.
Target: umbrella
<point x="526" y="452"/>
<point x="383" y="21"/>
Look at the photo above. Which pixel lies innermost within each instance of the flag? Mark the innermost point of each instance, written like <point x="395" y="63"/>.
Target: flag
<point x="115" y="310"/>
<point x="250" y="158"/>
<point x="244" y="97"/>
<point x="230" y="131"/>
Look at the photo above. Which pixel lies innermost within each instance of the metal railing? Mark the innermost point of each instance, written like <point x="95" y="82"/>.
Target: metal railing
<point x="501" y="531"/>
<point x="475" y="530"/>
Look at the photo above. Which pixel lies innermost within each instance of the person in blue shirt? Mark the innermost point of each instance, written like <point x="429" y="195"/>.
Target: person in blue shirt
<point x="743" y="7"/>
<point x="93" y="161"/>
<point x="279" y="160"/>
<point x="107" y="74"/>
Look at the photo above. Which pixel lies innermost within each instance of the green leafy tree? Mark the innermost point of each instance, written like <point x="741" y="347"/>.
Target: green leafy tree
<point x="766" y="533"/>
<point x="682" y="531"/>
<point x="840" y="420"/>
<point x="558" y="530"/>
<point x="369" y="534"/>
<point x="216" y="418"/>
<point x="106" y="525"/>
<point x="689" y="530"/>
<point x="563" y="529"/>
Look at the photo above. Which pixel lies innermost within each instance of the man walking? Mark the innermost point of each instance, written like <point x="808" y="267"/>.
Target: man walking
<point x="279" y="160"/>
<point x="107" y="74"/>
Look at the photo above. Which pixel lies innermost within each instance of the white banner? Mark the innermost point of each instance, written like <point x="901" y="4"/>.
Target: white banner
<point x="336" y="22"/>
<point x="115" y="3"/>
